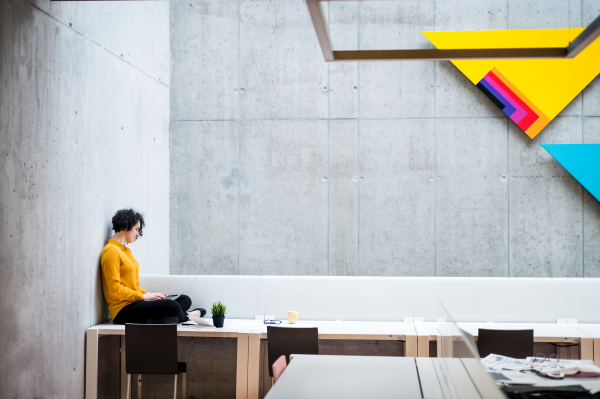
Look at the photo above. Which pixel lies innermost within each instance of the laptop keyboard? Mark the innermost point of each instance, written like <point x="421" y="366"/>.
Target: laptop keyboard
<point x="499" y="376"/>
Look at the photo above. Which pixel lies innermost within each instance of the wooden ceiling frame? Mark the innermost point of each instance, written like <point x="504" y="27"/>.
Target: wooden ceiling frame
<point x="586" y="37"/>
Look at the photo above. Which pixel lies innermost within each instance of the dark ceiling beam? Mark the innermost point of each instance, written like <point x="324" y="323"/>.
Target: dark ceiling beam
<point x="455" y="55"/>
<point x="584" y="39"/>
<point x="314" y="8"/>
<point x="579" y="44"/>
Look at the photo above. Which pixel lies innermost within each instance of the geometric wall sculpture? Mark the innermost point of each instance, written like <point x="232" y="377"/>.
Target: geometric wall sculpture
<point x="514" y="103"/>
<point x="530" y="91"/>
<point x="580" y="160"/>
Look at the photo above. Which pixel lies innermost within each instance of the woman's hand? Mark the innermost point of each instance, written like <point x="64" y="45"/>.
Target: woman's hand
<point x="150" y="296"/>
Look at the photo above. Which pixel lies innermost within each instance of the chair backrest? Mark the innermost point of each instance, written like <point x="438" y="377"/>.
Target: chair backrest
<point x="512" y="343"/>
<point x="151" y="349"/>
<point x="291" y="340"/>
<point x="278" y="367"/>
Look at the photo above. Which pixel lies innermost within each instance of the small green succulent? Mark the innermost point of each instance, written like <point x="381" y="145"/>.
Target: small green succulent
<point x="218" y="309"/>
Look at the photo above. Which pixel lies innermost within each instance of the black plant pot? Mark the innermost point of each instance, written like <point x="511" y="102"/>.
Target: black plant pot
<point x="218" y="321"/>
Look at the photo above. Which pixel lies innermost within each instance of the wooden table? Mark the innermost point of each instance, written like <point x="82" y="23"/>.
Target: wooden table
<point x="233" y="329"/>
<point x="323" y="376"/>
<point x="542" y="332"/>
<point x="249" y="334"/>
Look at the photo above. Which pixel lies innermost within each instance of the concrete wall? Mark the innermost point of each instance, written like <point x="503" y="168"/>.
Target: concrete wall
<point x="284" y="164"/>
<point x="84" y="119"/>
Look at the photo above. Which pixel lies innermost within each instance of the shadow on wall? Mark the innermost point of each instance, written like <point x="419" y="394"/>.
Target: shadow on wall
<point x="101" y="307"/>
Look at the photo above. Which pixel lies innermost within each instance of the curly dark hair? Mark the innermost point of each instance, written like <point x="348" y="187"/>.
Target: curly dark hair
<point x="125" y="219"/>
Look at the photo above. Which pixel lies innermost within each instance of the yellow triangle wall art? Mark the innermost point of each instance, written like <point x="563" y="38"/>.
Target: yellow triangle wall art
<point x="531" y="92"/>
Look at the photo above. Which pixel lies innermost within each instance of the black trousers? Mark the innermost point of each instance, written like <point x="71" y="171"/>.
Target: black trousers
<point x="139" y="312"/>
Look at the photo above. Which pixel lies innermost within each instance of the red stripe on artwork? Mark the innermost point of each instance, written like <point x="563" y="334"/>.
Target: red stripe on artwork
<point x="531" y="116"/>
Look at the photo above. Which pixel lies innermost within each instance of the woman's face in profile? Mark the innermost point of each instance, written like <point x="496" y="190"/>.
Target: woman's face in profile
<point x="132" y="235"/>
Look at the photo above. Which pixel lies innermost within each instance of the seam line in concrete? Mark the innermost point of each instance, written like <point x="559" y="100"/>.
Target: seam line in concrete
<point x="358" y="119"/>
<point x="1" y="64"/>
<point x="328" y="156"/>
<point x="508" y="198"/>
<point x="97" y="44"/>
<point x="202" y="252"/>
<point x="435" y="176"/>
<point x="328" y="193"/>
<point x="169" y="145"/>
<point x="239" y="160"/>
<point x="340" y="119"/>
<point x="582" y="197"/>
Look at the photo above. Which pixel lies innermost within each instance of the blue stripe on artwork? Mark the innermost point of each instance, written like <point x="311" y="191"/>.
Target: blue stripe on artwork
<point x="508" y="108"/>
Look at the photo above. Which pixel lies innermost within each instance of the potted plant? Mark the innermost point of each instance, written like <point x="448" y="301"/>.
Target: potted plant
<point x="218" y="311"/>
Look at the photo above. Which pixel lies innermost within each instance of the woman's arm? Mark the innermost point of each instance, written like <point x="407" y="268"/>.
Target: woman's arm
<point x="111" y="269"/>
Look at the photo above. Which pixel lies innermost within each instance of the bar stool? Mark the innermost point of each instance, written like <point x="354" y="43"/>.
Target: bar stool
<point x="291" y="340"/>
<point x="152" y="349"/>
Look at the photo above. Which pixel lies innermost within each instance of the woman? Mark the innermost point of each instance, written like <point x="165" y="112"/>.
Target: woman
<point x="127" y="302"/>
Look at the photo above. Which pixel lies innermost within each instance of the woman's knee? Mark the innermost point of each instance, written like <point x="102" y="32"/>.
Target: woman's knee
<point x="185" y="302"/>
<point x="172" y="308"/>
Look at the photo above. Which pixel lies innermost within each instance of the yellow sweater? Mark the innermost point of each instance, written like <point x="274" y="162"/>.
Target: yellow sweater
<point x="120" y="277"/>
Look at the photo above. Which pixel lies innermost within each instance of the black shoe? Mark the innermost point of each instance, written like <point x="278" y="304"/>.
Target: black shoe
<point x="164" y="320"/>
<point x="202" y="311"/>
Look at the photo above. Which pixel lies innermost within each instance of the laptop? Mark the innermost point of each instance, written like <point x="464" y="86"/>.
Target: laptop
<point x="511" y="378"/>
<point x="174" y="297"/>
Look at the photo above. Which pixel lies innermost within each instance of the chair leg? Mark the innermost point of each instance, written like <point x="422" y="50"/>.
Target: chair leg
<point x="139" y="386"/>
<point x="175" y="389"/>
<point x="128" y="386"/>
<point x="183" y="389"/>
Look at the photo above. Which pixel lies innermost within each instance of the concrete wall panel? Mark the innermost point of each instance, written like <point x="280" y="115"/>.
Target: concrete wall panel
<point x="482" y="163"/>
<point x="343" y="22"/>
<point x="545" y="227"/>
<point x="590" y="10"/>
<point x="282" y="70"/>
<point x="343" y="197"/>
<point x="389" y="89"/>
<point x="576" y="14"/>
<point x="204" y="197"/>
<point x="591" y="211"/>
<point x="77" y="133"/>
<point x="591" y="98"/>
<point x="451" y="15"/>
<point x="549" y="14"/>
<point x="527" y="158"/>
<point x="128" y="37"/>
<point x="545" y="205"/>
<point x="343" y="90"/>
<point x="396" y="198"/>
<point x="206" y="35"/>
<point x="456" y="96"/>
<point x="283" y="207"/>
<point x="395" y="24"/>
<point x="471" y="198"/>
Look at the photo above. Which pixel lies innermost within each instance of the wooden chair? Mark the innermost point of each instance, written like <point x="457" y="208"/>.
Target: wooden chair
<point x="512" y="343"/>
<point x="291" y="340"/>
<point x="152" y="349"/>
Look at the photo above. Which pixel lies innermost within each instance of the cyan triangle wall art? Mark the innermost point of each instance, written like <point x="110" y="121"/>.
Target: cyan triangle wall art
<point x="530" y="91"/>
<point x="580" y="160"/>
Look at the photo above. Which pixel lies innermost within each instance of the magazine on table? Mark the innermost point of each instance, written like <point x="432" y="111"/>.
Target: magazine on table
<point x="198" y="323"/>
